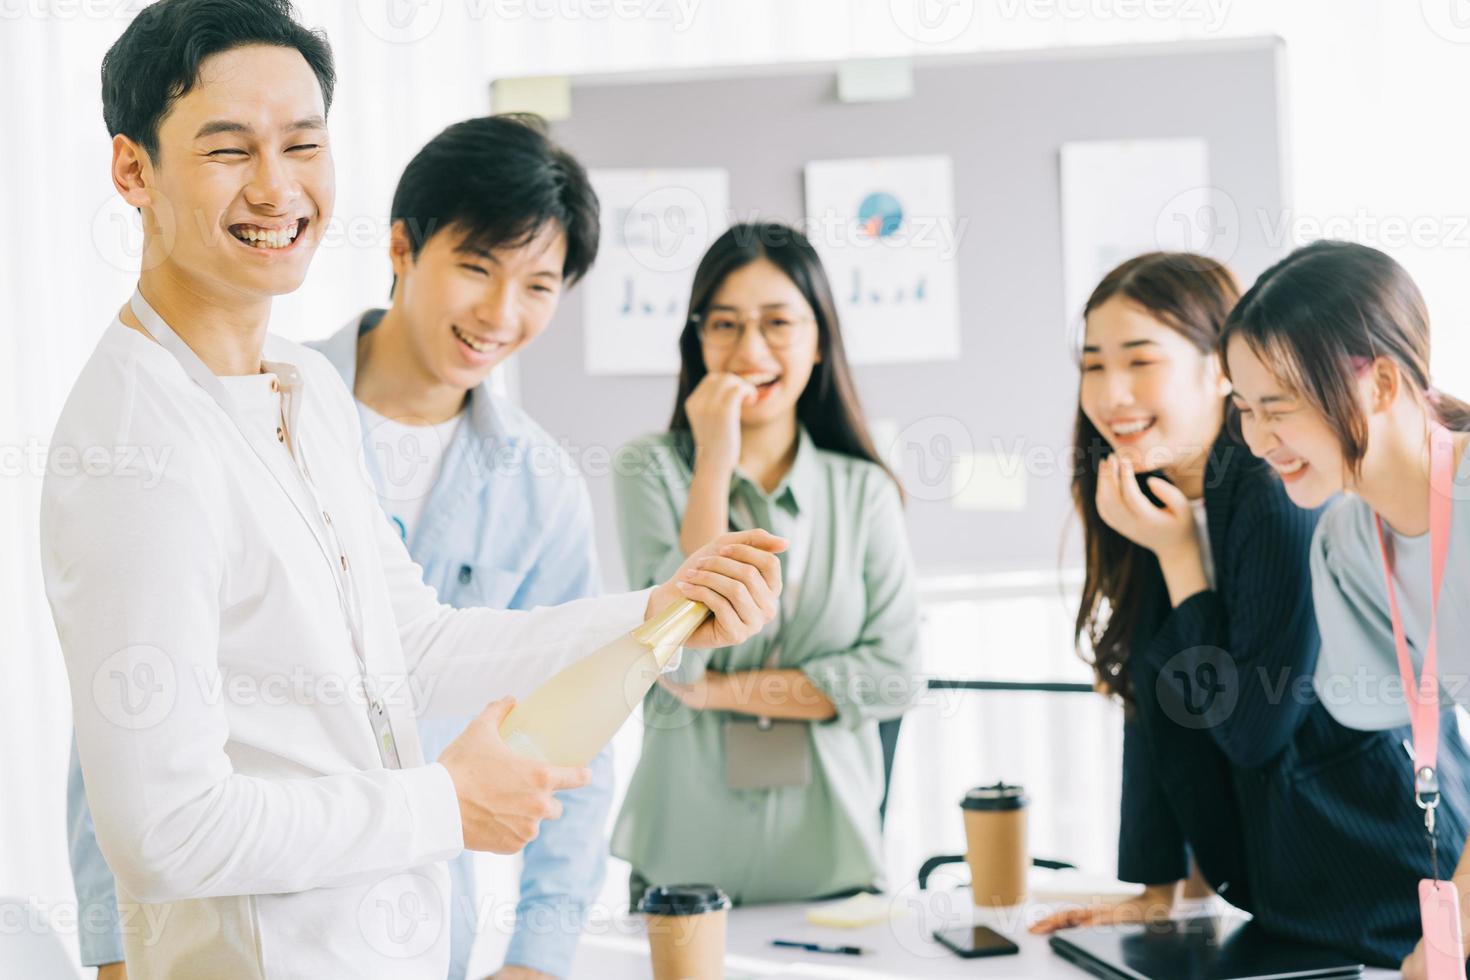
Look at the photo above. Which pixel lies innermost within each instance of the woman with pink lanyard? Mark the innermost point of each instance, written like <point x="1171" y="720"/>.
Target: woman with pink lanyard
<point x="1329" y="354"/>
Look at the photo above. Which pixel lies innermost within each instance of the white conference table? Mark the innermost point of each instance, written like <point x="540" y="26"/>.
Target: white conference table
<point x="900" y="948"/>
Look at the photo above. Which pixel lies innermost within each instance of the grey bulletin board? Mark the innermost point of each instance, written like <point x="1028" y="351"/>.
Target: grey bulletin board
<point x="1002" y="118"/>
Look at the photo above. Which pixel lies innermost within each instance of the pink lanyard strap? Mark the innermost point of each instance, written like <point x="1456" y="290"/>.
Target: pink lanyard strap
<point x="1424" y="696"/>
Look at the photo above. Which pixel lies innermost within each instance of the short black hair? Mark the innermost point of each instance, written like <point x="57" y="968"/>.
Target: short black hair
<point x="156" y="61"/>
<point x="498" y="181"/>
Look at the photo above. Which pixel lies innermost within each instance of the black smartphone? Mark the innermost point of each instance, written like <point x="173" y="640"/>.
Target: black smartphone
<point x="971" y="942"/>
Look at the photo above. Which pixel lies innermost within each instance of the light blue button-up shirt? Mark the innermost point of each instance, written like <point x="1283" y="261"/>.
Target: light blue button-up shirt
<point x="508" y="524"/>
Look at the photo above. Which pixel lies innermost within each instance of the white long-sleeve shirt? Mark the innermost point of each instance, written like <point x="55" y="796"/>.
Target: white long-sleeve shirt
<point x="236" y="784"/>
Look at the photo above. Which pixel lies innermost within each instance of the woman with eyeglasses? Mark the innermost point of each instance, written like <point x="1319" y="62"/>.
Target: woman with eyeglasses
<point x="762" y="770"/>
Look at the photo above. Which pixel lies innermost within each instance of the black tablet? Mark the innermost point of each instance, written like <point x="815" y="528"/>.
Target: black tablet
<point x="1203" y="948"/>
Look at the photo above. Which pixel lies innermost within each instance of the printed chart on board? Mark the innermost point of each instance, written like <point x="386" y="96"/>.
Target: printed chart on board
<point x="656" y="225"/>
<point x="887" y="234"/>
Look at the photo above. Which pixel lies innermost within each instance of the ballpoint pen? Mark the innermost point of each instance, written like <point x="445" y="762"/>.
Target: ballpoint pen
<point x="819" y="948"/>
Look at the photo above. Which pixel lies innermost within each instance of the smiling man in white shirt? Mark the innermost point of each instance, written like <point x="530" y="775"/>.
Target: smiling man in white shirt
<point x="247" y="640"/>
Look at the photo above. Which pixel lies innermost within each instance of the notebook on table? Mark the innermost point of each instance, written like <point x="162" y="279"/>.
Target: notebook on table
<point x="1204" y="948"/>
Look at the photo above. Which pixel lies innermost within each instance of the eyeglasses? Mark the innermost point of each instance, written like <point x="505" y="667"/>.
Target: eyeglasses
<point x="722" y="330"/>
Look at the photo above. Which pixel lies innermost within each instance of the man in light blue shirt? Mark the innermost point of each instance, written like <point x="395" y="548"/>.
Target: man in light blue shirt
<point x="491" y="223"/>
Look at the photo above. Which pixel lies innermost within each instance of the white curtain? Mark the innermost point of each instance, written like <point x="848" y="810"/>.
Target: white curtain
<point x="1379" y="155"/>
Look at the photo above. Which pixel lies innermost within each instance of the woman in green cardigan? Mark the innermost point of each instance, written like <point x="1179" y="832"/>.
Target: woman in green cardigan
<point x="762" y="770"/>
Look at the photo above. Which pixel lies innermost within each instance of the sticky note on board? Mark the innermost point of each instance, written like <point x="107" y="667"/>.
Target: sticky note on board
<point x="548" y="96"/>
<point x="875" y="80"/>
<point x="989" y="481"/>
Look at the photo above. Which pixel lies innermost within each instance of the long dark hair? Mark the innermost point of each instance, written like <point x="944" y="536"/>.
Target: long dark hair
<point x="828" y="406"/>
<point x="1192" y="295"/>
<point x="1317" y="316"/>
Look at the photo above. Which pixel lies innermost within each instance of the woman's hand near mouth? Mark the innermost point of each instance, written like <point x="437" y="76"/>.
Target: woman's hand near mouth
<point x="714" y="418"/>
<point x="1168" y="531"/>
<point x="713" y="410"/>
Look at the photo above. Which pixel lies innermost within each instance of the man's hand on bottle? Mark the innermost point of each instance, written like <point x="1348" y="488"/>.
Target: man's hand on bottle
<point x="503" y="796"/>
<point x="738" y="577"/>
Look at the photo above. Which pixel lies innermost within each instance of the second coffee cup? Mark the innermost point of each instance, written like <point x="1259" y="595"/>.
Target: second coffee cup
<point x="995" y="835"/>
<point x="686" y="931"/>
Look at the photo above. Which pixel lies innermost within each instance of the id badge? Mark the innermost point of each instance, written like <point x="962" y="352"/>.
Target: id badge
<point x="767" y="757"/>
<point x="1439" y="910"/>
<point x="383" y="735"/>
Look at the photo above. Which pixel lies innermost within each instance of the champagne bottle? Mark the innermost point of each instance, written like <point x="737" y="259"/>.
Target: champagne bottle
<point x="568" y="720"/>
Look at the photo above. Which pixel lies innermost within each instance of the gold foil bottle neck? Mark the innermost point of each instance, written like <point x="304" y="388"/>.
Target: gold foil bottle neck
<point x="672" y="627"/>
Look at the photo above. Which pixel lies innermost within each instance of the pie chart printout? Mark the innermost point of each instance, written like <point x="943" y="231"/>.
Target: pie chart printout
<point x="880" y="215"/>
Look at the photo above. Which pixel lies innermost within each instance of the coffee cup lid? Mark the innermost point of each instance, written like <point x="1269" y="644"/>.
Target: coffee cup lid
<point x="683" y="900"/>
<point x="1000" y="796"/>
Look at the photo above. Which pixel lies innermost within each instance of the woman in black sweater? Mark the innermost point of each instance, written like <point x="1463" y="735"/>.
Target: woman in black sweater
<point x="1197" y="607"/>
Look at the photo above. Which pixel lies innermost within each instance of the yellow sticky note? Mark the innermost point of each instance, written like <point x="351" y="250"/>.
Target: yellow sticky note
<point x="875" y="80"/>
<point x="989" y="481"/>
<point x="548" y="96"/>
<point x="862" y="909"/>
